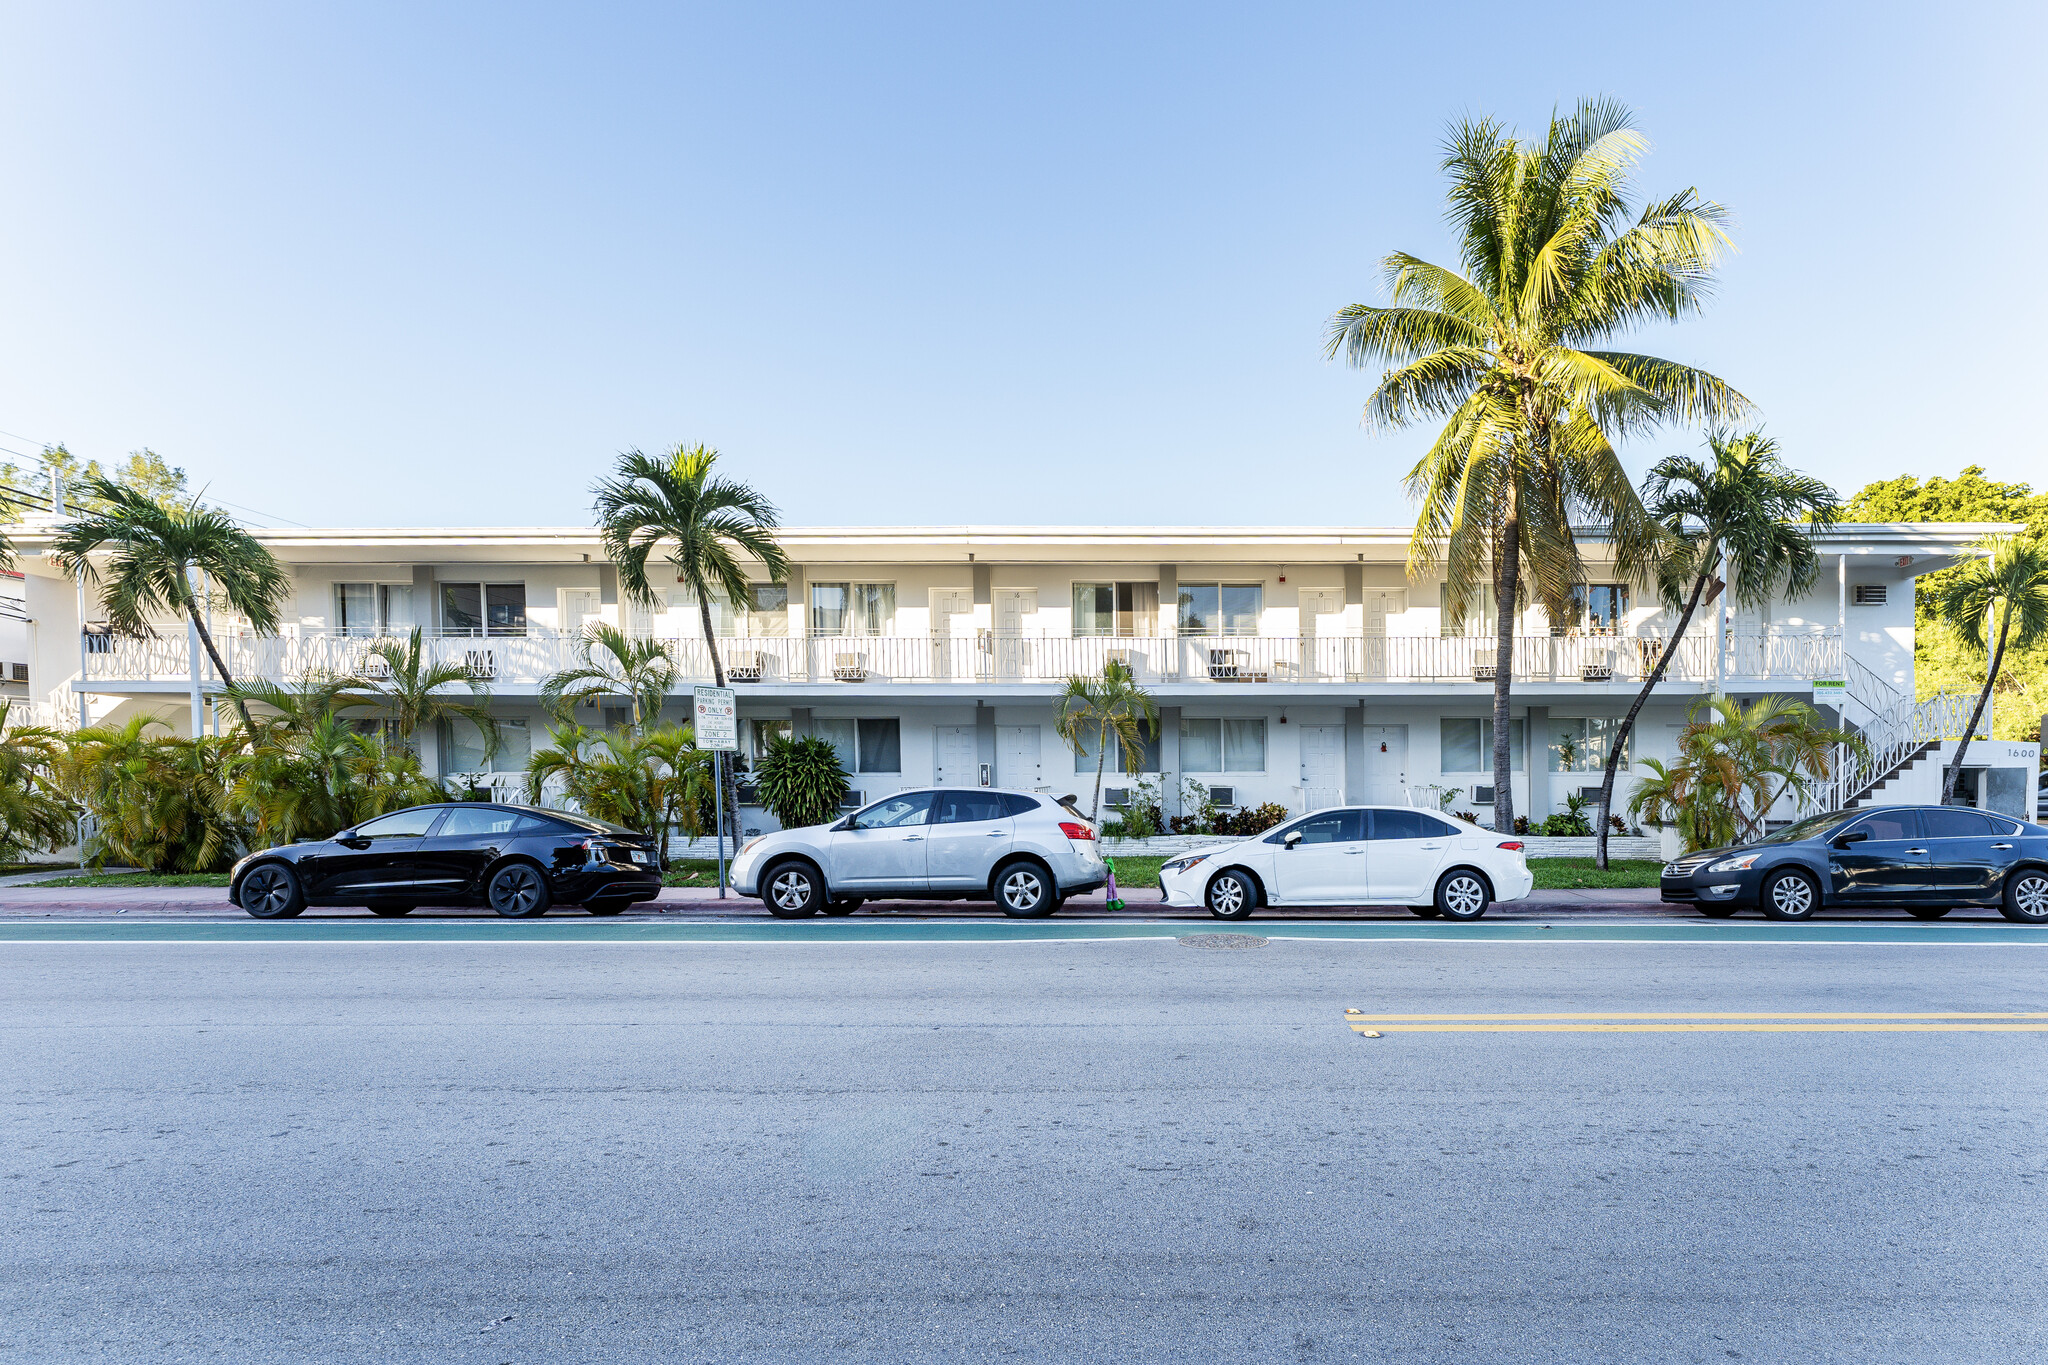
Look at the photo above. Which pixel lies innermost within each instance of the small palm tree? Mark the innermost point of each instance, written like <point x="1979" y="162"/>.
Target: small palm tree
<point x="295" y="708"/>
<point x="701" y="524"/>
<point x="646" y="782"/>
<point x="307" y="783"/>
<point x="155" y="552"/>
<point x="1749" y="508"/>
<point x="616" y="665"/>
<point x="1551" y="266"/>
<point x="34" y="814"/>
<point x="1111" y="706"/>
<point x="159" y="800"/>
<point x="1734" y="763"/>
<point x="414" y="691"/>
<point x="2009" y="585"/>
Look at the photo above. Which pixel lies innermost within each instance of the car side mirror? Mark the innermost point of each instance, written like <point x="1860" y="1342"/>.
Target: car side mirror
<point x="1854" y="836"/>
<point x="1292" y="837"/>
<point x="350" y="839"/>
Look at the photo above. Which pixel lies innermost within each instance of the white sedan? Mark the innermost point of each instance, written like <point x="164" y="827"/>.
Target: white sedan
<point x="1355" y="855"/>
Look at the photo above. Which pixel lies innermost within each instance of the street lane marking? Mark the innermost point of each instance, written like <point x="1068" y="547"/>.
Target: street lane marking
<point x="1959" y="1021"/>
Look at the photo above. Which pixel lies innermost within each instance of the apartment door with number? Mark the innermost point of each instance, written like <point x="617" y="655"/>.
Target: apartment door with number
<point x="952" y="628"/>
<point x="1017" y="758"/>
<point x="1322" y="765"/>
<point x="1381" y="603"/>
<point x="1322" y="633"/>
<point x="579" y="605"/>
<point x="1386" y="765"/>
<point x="1012" y="651"/>
<point x="955" y="764"/>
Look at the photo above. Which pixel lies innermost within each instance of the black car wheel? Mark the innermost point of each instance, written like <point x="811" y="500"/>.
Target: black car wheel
<point x="392" y="911"/>
<point x="1789" y="895"/>
<point x="518" y="891"/>
<point x="604" y="907"/>
<point x="2026" y="898"/>
<point x="1462" y="894"/>
<point x="1024" y="891"/>
<point x="1425" y="911"/>
<point x="844" y="906"/>
<point x="792" y="890"/>
<point x="1928" y="911"/>
<point x="272" y="891"/>
<point x="1232" y="895"/>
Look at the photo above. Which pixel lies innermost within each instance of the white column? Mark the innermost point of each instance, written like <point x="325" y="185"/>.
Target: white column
<point x="1721" y="632"/>
<point x="192" y="654"/>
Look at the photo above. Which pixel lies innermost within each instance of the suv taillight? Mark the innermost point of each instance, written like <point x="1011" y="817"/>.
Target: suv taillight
<point x="1073" y="829"/>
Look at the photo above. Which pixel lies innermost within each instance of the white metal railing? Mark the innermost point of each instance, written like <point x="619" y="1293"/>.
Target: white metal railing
<point x="1889" y="742"/>
<point x="527" y="659"/>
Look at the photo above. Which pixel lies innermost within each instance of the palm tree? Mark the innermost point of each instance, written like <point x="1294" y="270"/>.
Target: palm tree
<point x="614" y="664"/>
<point x="307" y="783"/>
<point x="1749" y="508"/>
<point x="1734" y="763"/>
<point x="1111" y="706"/>
<point x="413" y="690"/>
<point x="652" y="781"/>
<point x="1550" y="265"/>
<point x="295" y="708"/>
<point x="34" y="814"/>
<point x="674" y="503"/>
<point x="2011" y="581"/>
<point x="159" y="800"/>
<point x="157" y="550"/>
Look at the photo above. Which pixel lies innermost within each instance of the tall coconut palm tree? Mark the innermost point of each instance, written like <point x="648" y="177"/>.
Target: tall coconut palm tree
<point x="1747" y="508"/>
<point x="1100" y="710"/>
<point x="1551" y="265"/>
<point x="155" y="552"/>
<point x="614" y="665"/>
<point x="675" y="506"/>
<point x="414" y="691"/>
<point x="2009" y="586"/>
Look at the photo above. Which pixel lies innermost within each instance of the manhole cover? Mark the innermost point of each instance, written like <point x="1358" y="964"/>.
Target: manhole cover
<point x="1222" y="941"/>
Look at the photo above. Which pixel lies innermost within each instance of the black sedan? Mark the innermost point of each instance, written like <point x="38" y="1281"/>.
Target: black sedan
<point x="1925" y="860"/>
<point x="516" y="860"/>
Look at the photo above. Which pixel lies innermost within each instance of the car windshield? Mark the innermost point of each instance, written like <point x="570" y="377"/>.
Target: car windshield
<point x="1812" y="827"/>
<point x="585" y="823"/>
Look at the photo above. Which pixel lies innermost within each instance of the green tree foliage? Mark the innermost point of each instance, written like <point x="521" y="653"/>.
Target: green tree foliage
<point x="312" y="779"/>
<point x="160" y="801"/>
<point x="1734" y="762"/>
<point x="614" y="665"/>
<point x="1996" y="603"/>
<point x="801" y="780"/>
<point x="409" y="690"/>
<point x="649" y="782"/>
<point x="2021" y="695"/>
<point x="1555" y="259"/>
<point x="35" y="816"/>
<point x="1111" y="708"/>
<point x="144" y="471"/>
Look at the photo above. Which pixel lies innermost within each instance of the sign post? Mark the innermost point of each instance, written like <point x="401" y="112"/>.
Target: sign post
<point x="717" y="724"/>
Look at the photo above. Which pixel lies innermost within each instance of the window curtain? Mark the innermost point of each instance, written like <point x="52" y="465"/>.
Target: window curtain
<point x="1467" y="746"/>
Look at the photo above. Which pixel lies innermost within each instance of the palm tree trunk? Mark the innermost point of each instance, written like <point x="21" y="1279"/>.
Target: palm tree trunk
<point x="1507" y="579"/>
<point x="1955" y="769"/>
<point x="1101" y="757"/>
<point x="1628" y="723"/>
<point x="729" y="777"/>
<point x="219" y="665"/>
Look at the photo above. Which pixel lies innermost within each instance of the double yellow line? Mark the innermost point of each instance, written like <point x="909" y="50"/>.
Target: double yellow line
<point x="1954" y="1021"/>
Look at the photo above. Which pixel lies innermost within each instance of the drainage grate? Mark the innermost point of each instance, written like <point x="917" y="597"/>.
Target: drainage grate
<point x="1223" y="941"/>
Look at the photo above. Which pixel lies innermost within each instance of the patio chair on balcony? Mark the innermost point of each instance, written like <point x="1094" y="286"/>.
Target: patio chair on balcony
<point x="1484" y="666"/>
<point x="850" y="667"/>
<point x="1126" y="657"/>
<point x="1597" y="668"/>
<point x="1227" y="665"/>
<point x="744" y="668"/>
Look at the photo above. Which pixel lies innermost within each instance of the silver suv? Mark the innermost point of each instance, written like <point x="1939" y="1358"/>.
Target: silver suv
<point x="1025" y="851"/>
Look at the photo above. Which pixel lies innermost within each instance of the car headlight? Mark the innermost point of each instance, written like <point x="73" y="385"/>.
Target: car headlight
<point x="1741" y="864"/>
<point x="1183" y="864"/>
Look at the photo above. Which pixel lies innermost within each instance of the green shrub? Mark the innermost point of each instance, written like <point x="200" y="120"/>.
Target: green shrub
<point x="801" y="781"/>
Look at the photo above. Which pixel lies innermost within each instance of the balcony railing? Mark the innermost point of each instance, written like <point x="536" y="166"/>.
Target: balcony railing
<point x="524" y="660"/>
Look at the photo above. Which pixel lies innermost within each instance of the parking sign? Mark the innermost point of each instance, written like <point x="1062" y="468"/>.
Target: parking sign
<point x="717" y="718"/>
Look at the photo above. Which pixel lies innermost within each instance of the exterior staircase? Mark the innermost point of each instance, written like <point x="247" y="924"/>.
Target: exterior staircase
<point x="1898" y="734"/>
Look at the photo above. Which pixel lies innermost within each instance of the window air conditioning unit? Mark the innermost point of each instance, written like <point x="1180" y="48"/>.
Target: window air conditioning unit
<point x="1870" y="594"/>
<point x="1223" y="796"/>
<point x="1483" y="794"/>
<point x="1116" y="796"/>
<point x="750" y="795"/>
<point x="1590" y="795"/>
<point x="852" y="801"/>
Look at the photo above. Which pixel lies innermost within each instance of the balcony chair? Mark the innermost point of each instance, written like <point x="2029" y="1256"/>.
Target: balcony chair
<point x="744" y="668"/>
<point x="1227" y="665"/>
<point x="850" y="667"/>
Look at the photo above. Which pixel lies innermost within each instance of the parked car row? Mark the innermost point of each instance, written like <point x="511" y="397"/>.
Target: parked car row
<point x="1029" y="852"/>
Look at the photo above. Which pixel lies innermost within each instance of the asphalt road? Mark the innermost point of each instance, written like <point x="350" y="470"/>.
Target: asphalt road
<point x="1033" y="1147"/>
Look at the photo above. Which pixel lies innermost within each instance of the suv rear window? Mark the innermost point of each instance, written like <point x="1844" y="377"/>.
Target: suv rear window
<point x="1020" y="805"/>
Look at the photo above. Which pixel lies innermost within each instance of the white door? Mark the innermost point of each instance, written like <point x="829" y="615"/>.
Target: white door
<point x="1013" y="607"/>
<point x="1017" y="763"/>
<point x="1322" y="765"/>
<point x="1403" y="851"/>
<point x="578" y="606"/>
<point x="1322" y="633"/>
<point x="956" y="765"/>
<point x="952" y="622"/>
<point x="1327" y="865"/>
<point x="1386" y="764"/>
<point x="1380" y="603"/>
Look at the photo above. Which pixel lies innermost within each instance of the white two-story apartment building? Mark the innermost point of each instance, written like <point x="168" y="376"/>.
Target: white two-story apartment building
<point x="1298" y="665"/>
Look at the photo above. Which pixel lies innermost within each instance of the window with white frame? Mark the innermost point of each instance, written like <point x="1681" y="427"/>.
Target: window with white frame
<point x="1221" y="608"/>
<point x="853" y="608"/>
<point x="1148" y="756"/>
<point x="864" y="746"/>
<point x="373" y="608"/>
<point x="463" y="749"/>
<point x="1222" y="745"/>
<point x="1600" y="606"/>
<point x="1478" y="618"/>
<point x="1586" y="739"/>
<point x="757" y="735"/>
<point x="1125" y="609"/>
<point x="483" y="608"/>
<point x="1468" y="746"/>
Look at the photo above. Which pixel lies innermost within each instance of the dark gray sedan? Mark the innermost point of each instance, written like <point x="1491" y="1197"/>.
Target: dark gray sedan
<point x="1925" y="860"/>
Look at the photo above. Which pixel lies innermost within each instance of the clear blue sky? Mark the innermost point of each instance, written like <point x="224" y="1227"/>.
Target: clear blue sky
<point x="436" y="264"/>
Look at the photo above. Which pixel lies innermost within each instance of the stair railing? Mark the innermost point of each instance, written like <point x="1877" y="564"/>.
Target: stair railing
<point x="1890" y="742"/>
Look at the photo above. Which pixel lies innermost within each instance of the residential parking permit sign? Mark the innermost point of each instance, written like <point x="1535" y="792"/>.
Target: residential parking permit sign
<point x="717" y="718"/>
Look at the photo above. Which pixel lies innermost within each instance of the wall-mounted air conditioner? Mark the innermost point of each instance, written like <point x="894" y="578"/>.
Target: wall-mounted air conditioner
<point x="1483" y="794"/>
<point x="1116" y="796"/>
<point x="1223" y="796"/>
<point x="852" y="801"/>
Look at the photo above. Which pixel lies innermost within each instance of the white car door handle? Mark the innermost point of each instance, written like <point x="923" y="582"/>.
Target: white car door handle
<point x="1354" y="852"/>
<point x="995" y="834"/>
<point x="1433" y="847"/>
<point x="912" y="838"/>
